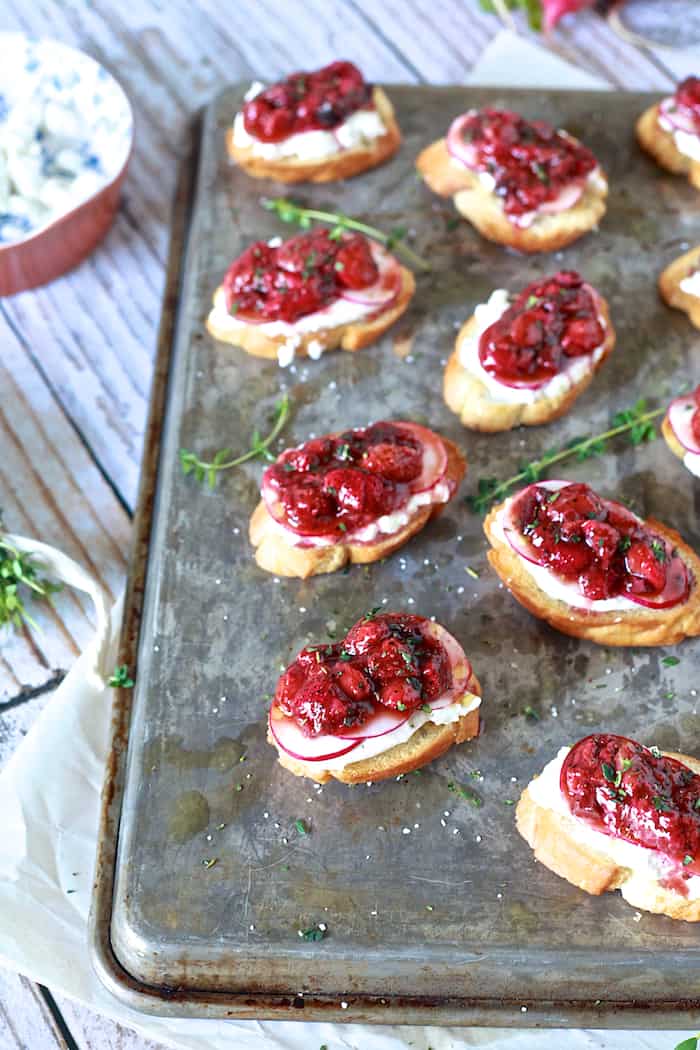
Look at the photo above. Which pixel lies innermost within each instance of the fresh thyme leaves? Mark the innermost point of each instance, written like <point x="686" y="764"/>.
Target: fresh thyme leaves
<point x="207" y="470"/>
<point x="301" y="827"/>
<point x="289" y="211"/>
<point x="209" y="862"/>
<point x="661" y="804"/>
<point x="466" y="793"/>
<point x="634" y="422"/>
<point x="120" y="678"/>
<point x="612" y="775"/>
<point x="314" y="933"/>
<point x="531" y="714"/>
<point x="17" y="570"/>
<point x="670" y="661"/>
<point x="372" y="613"/>
<point x="532" y="8"/>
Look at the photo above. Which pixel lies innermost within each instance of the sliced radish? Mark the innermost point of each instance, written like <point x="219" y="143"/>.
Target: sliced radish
<point x="675" y="591"/>
<point x="462" y="151"/>
<point x="380" y="294"/>
<point x="520" y="545"/>
<point x="566" y="199"/>
<point x="290" y="738"/>
<point x="677" y="118"/>
<point x="383" y="721"/>
<point x="680" y="415"/>
<point x="434" y="457"/>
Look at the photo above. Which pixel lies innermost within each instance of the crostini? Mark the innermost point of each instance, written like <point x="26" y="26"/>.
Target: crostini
<point x="593" y="569"/>
<point x="525" y="359"/>
<point x="355" y="497"/>
<point x="519" y="182"/>
<point x="611" y="814"/>
<point x="679" y="284"/>
<point x="670" y="131"/>
<point x="681" y="430"/>
<point x="393" y="695"/>
<point x="312" y="293"/>
<point x="314" y="127"/>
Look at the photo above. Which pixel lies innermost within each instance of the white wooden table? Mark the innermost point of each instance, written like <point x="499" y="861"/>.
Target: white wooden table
<point x="76" y="356"/>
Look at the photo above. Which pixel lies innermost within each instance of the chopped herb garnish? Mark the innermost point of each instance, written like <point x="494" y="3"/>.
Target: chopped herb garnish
<point x="659" y="550"/>
<point x="655" y="751"/>
<point x="427" y="708"/>
<point x="312" y="934"/>
<point x="530" y="713"/>
<point x="532" y="300"/>
<point x="508" y="802"/>
<point x="344" y="655"/>
<point x="342" y="526"/>
<point x="472" y="572"/>
<point x="372" y="613"/>
<point x="466" y="793"/>
<point x="343" y="452"/>
<point x="624" y="544"/>
<point x="688" y="859"/>
<point x="400" y="707"/>
<point x="120" y="678"/>
<point x="626" y="763"/>
<point x="661" y="804"/>
<point x="670" y="661"/>
<point x="210" y="862"/>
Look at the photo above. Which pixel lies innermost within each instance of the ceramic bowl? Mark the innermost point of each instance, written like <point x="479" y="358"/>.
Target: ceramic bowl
<point x="66" y="132"/>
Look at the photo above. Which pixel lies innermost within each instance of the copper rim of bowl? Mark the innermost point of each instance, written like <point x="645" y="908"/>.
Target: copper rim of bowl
<point x="53" y="249"/>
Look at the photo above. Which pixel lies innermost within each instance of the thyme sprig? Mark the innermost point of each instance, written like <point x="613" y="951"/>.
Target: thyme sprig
<point x="289" y="211"/>
<point x="17" y="572"/>
<point x="207" y="470"/>
<point x="635" y="423"/>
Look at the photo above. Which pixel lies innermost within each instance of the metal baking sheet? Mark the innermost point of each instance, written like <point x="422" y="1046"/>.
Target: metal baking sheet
<point x="434" y="907"/>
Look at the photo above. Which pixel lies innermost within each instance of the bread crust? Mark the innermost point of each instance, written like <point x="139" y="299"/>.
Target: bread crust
<point x="426" y="744"/>
<point x="639" y="627"/>
<point x="470" y="399"/>
<point x="340" y="165"/>
<point x="660" y="145"/>
<point x="553" y="838"/>
<point x="671" y="439"/>
<point x="483" y="208"/>
<point x="280" y="558"/>
<point x="670" y="285"/>
<point x="351" y="337"/>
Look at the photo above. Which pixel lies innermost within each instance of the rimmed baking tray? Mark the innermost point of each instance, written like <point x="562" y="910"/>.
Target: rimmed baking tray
<point x="434" y="908"/>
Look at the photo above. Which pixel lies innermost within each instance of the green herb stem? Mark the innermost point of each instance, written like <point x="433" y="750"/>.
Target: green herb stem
<point x="204" y="470"/>
<point x="17" y="570"/>
<point x="289" y="211"/>
<point x="635" y="421"/>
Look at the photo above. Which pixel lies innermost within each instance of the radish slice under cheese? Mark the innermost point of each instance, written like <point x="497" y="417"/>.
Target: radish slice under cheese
<point x="290" y="739"/>
<point x="462" y="151"/>
<point x="383" y="721"/>
<point x="680" y="415"/>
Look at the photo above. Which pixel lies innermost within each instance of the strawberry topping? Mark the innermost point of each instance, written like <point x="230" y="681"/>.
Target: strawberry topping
<point x="333" y="485"/>
<point x="597" y="544"/>
<point x="687" y="100"/>
<point x="301" y="276"/>
<point x="390" y="661"/>
<point x="631" y="792"/>
<point x="530" y="161"/>
<point x="550" y="322"/>
<point x="306" y="101"/>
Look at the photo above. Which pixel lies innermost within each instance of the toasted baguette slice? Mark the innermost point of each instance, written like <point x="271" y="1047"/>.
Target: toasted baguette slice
<point x="670" y="284"/>
<point x="354" y="336"/>
<point x="660" y="145"/>
<point x="638" y="626"/>
<point x="484" y="210"/>
<point x="471" y="399"/>
<point x="671" y="439"/>
<point x="337" y="166"/>
<point x="277" y="556"/>
<point x="426" y="744"/>
<point x="555" y="839"/>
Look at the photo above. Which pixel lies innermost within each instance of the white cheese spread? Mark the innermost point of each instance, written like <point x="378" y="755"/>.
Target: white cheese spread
<point x="65" y="132"/>
<point x="487" y="314"/>
<point x="361" y="128"/>
<point x="645" y="865"/>
<point x="372" y="746"/>
<point x="691" y="284"/>
<point x="692" y="461"/>
<point x="685" y="142"/>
